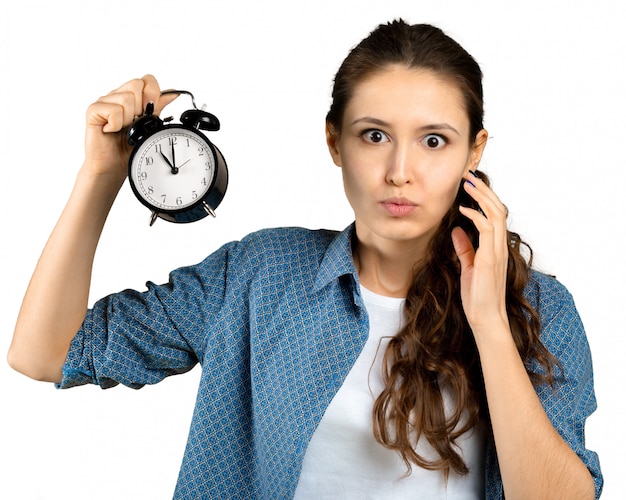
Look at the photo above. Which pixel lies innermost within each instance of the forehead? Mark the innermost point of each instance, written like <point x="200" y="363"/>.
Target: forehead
<point x="401" y="95"/>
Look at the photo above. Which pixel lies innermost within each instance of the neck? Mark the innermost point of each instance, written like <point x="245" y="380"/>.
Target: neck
<point x="387" y="270"/>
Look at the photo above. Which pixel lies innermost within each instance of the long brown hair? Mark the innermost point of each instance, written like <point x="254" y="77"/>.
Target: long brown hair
<point x="436" y="348"/>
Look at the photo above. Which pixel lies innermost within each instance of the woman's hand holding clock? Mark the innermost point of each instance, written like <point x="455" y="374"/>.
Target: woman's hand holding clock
<point x="106" y="145"/>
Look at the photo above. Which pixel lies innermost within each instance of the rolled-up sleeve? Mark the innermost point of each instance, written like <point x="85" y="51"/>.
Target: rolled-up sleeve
<point x="137" y="338"/>
<point x="572" y="400"/>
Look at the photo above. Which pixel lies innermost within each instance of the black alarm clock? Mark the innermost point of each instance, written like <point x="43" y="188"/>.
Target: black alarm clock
<point x="174" y="169"/>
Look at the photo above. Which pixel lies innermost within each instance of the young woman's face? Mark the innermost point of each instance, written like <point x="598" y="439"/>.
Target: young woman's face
<point x="404" y="148"/>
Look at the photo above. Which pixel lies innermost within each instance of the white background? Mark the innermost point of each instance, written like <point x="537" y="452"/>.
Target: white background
<point x="555" y="107"/>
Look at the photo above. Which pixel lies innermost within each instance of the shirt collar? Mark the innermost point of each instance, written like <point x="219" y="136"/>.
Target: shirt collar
<point x="337" y="260"/>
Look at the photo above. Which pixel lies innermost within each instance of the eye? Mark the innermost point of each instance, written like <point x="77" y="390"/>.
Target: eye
<point x="375" y="136"/>
<point x="434" y="141"/>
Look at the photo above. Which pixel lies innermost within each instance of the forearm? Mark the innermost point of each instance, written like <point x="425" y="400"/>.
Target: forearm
<point x="56" y="300"/>
<point x="535" y="462"/>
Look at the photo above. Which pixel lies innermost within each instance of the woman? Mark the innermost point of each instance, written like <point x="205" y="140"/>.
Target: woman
<point x="414" y="354"/>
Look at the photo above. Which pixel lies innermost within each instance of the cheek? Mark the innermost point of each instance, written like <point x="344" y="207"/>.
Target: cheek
<point x="450" y="174"/>
<point x="358" y="170"/>
<point x="353" y="184"/>
<point x="442" y="190"/>
<point x="354" y="159"/>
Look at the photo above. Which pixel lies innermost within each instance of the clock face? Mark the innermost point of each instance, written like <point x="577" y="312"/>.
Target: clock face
<point x="173" y="169"/>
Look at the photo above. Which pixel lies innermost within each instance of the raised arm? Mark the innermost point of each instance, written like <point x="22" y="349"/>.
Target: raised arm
<point x="56" y="299"/>
<point x="535" y="461"/>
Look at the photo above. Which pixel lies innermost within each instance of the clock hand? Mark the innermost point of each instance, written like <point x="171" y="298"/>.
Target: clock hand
<point x="185" y="163"/>
<point x="172" y="167"/>
<point x="173" y="156"/>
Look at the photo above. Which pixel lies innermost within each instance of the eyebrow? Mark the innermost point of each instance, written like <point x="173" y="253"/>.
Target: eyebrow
<point x="382" y="123"/>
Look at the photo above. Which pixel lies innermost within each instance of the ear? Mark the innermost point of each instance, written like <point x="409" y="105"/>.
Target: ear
<point x="476" y="152"/>
<point x="332" y="140"/>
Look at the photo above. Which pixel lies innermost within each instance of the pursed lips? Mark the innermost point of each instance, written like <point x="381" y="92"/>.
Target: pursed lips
<point x="398" y="206"/>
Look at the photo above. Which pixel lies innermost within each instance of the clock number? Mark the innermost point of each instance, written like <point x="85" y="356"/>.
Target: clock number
<point x="173" y="141"/>
<point x="163" y="197"/>
<point x="157" y="148"/>
<point x="194" y="195"/>
<point x="149" y="160"/>
<point x="143" y="175"/>
<point x="179" y="201"/>
<point x="200" y="151"/>
<point x="203" y="182"/>
<point x="150" y="190"/>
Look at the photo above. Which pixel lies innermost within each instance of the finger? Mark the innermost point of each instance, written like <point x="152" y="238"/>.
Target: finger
<point x="486" y="231"/>
<point x="135" y="95"/>
<point x="118" y="108"/>
<point x="150" y="91"/>
<point x="122" y="106"/>
<point x="132" y="94"/>
<point x="485" y="197"/>
<point x="494" y="212"/>
<point x="108" y="117"/>
<point x="463" y="248"/>
<point x="164" y="100"/>
<point x="492" y="246"/>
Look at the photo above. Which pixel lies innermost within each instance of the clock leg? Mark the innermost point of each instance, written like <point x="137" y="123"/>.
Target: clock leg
<point x="208" y="209"/>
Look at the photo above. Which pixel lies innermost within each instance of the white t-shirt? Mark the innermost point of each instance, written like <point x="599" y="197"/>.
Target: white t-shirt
<point x="345" y="461"/>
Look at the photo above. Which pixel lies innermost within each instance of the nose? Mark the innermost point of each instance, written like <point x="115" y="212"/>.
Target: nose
<point x="400" y="167"/>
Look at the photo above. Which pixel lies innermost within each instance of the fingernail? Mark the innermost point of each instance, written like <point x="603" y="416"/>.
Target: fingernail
<point x="470" y="183"/>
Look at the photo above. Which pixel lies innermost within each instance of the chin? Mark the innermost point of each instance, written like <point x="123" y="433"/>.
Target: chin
<point x="400" y="231"/>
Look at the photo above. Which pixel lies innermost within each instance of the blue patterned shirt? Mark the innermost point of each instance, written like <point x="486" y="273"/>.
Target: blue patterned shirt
<point x="276" y="322"/>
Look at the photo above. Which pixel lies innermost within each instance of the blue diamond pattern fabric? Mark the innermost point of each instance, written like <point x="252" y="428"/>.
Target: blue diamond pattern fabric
<point x="276" y="321"/>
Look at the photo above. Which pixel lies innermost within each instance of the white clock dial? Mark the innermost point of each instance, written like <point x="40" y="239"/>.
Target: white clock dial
<point x="173" y="169"/>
